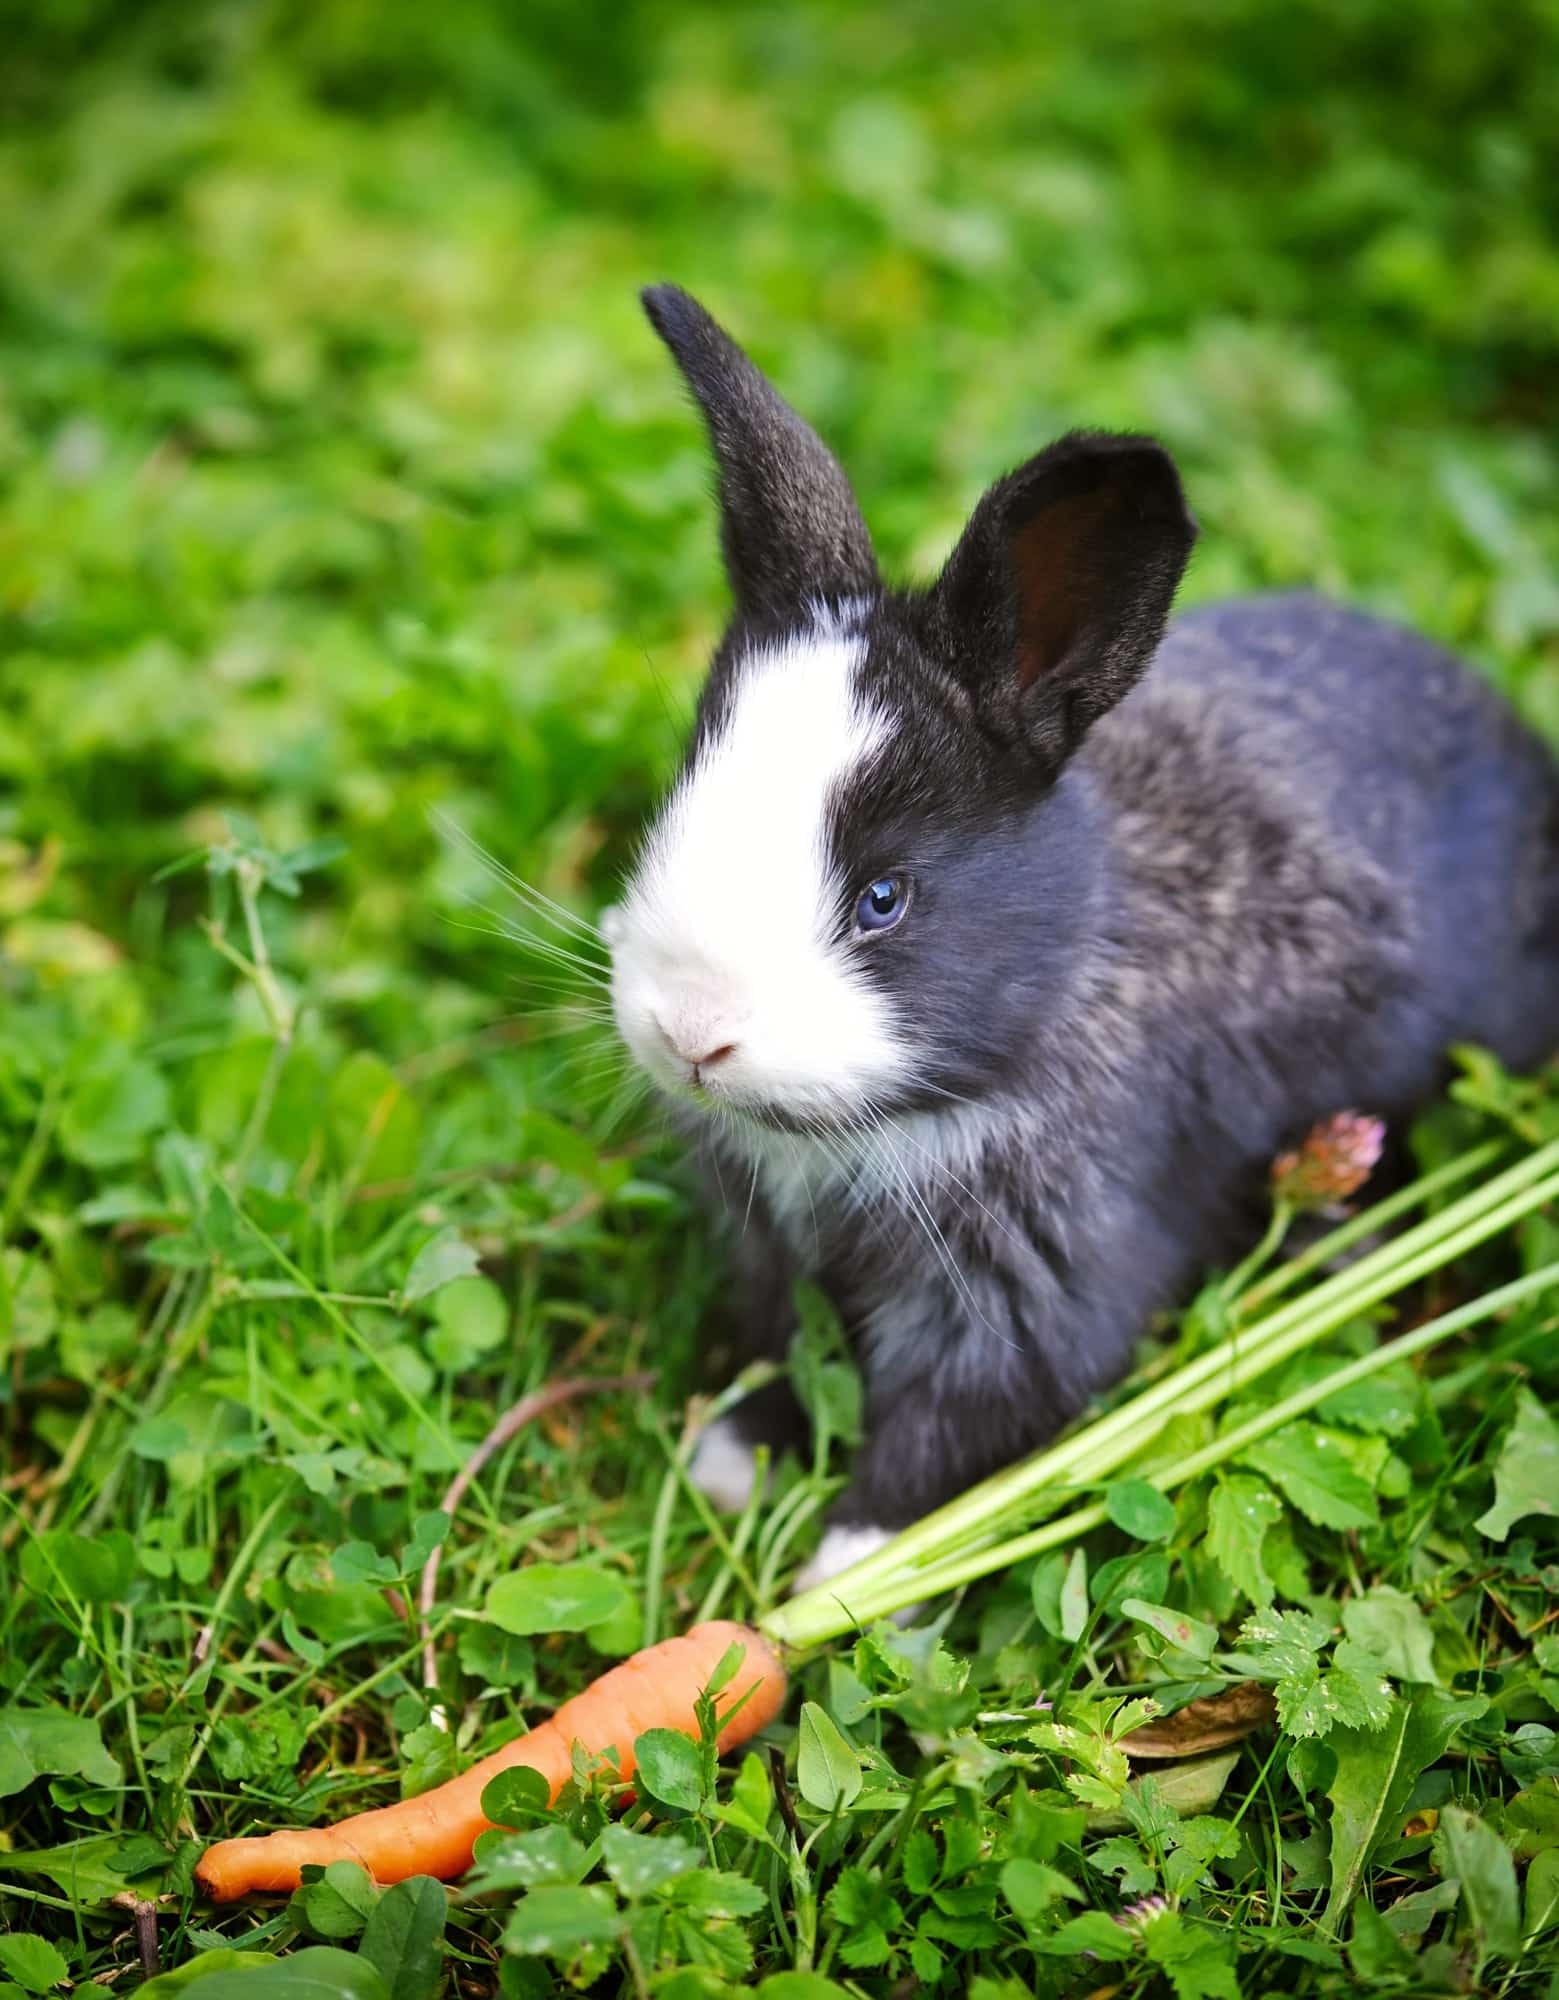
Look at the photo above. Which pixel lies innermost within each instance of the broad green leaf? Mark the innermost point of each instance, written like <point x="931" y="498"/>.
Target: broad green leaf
<point x="202" y="1968"/>
<point x="1313" y="1468"/>
<point x="403" y="1935"/>
<point x="515" y="1795"/>
<point x="1468" y="1850"/>
<point x="828" y="1770"/>
<point x="441" y="1260"/>
<point x="922" y="1860"/>
<point x="622" y="1633"/>
<point x="559" y="1923"/>
<point x="1531" y="1820"/>
<point x="1526" y="1474"/>
<point x="337" y="1905"/>
<point x="1351" y="1692"/>
<point x="1074" y="1597"/>
<point x="544" y="1857"/>
<point x="28" y="1313"/>
<point x="361" y="1562"/>
<point x="33" y="1963"/>
<point x="801" y="1986"/>
<point x="500" y="1659"/>
<point x="374" y="1124"/>
<point x="1031" y="1887"/>
<point x="113" y="1111"/>
<point x="429" y="1759"/>
<point x="751" y="1800"/>
<point x="1144" y="1573"/>
<point x="1045" y="1589"/>
<point x="637" y="1863"/>
<point x="716" y="1892"/>
<point x="471" y="1318"/>
<point x="1206" y="1972"/>
<point x="1388" y="1402"/>
<point x="427" y="1534"/>
<point x="1188" y="1634"/>
<point x="1285" y="1647"/>
<point x="1140" y="1510"/>
<point x="93" y="1569"/>
<point x="87" y="1871"/>
<point x="1239" y="1513"/>
<point x="1390" y="1626"/>
<point x="1092" y="1932"/>
<point x="670" y="1769"/>
<point x="1540" y="1910"/>
<point x="1274" y="1645"/>
<point x="39" y="1741"/>
<point x="554" y="1597"/>
<point x="849" y="1698"/>
<point x="1410" y="1916"/>
<point x="320" y="1973"/>
<point x="1375" y="1775"/>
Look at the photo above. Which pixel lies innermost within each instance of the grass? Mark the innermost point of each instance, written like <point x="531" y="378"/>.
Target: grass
<point x="345" y="489"/>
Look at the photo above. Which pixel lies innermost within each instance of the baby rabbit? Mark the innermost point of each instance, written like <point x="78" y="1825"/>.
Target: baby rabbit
<point x="993" y="939"/>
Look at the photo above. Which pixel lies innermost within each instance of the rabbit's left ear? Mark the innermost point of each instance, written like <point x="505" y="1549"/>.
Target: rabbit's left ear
<point x="1055" y="598"/>
<point x="789" y="523"/>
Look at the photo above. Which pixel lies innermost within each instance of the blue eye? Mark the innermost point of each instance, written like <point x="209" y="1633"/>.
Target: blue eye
<point x="882" y="903"/>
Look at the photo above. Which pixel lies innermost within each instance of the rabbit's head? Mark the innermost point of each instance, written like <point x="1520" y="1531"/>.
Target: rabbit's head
<point x="872" y="868"/>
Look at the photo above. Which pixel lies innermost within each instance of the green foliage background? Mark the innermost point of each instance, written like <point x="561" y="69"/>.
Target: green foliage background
<point x="344" y="484"/>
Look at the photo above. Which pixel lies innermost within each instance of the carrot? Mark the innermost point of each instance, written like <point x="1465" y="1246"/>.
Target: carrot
<point x="435" y="1834"/>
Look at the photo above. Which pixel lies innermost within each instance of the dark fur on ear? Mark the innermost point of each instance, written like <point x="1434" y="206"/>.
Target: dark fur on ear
<point x="1055" y="598"/>
<point x="790" y="526"/>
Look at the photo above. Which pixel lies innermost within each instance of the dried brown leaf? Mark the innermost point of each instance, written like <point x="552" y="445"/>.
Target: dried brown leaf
<point x="1207" y="1724"/>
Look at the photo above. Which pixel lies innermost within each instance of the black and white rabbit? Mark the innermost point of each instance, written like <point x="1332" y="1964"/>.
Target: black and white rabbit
<point x="994" y="939"/>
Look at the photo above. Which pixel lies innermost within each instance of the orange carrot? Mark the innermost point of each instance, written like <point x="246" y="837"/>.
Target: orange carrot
<point x="434" y="1834"/>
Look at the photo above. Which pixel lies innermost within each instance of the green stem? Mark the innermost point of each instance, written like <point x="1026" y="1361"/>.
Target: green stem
<point x="745" y="1527"/>
<point x="675" y="1481"/>
<point x="1246" y="1269"/>
<point x="31" y="1162"/>
<point x="802" y="1623"/>
<point x="200" y="1676"/>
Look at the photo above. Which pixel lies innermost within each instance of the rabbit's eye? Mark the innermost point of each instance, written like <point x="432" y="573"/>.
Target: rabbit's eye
<point x="882" y="903"/>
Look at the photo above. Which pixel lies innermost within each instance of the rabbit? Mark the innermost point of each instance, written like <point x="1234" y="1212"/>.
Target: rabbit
<point x="994" y="938"/>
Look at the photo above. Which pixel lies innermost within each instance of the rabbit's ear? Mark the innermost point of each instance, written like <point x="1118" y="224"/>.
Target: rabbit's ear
<point x="1055" y="598"/>
<point x="790" y="527"/>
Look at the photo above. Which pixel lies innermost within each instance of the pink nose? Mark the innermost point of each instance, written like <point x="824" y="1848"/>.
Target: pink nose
<point x="695" y="1044"/>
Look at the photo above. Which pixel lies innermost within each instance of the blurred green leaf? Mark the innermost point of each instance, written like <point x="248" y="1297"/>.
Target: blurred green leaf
<point x="554" y="1597"/>
<point x="1526" y="1474"/>
<point x="35" y="1741"/>
<point x="828" y="1770"/>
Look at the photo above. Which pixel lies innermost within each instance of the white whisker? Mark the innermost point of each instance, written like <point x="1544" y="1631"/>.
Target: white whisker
<point x="541" y="903"/>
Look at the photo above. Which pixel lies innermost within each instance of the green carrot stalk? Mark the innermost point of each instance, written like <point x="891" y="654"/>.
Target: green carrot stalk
<point x="1120" y="1434"/>
<point x="838" y="1608"/>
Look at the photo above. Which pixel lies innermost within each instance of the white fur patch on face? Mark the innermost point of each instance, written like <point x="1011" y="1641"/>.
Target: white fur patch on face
<point x="724" y="953"/>
<point x="724" y="1466"/>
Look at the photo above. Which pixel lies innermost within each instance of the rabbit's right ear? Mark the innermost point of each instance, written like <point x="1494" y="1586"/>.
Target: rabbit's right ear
<point x="1054" y="600"/>
<point x="789" y="523"/>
